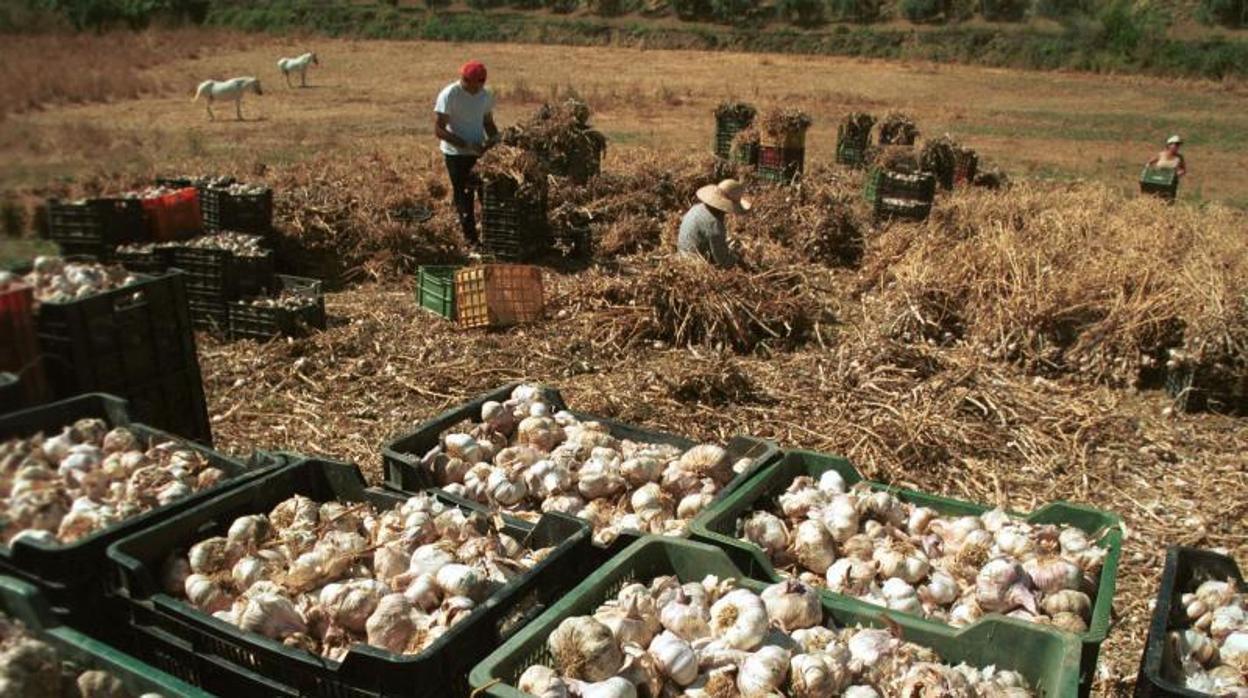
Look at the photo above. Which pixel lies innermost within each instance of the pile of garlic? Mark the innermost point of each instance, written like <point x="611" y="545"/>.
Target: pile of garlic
<point x="287" y="300"/>
<point x="56" y="281"/>
<point x="325" y="576"/>
<point x="88" y="477"/>
<point x="1214" y="650"/>
<point x="31" y="668"/>
<point x="712" y="639"/>
<point x="871" y="545"/>
<point x="521" y="458"/>
<point x="241" y="244"/>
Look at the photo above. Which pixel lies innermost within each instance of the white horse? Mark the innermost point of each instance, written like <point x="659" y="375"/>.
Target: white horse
<point x="297" y="65"/>
<point x="225" y="90"/>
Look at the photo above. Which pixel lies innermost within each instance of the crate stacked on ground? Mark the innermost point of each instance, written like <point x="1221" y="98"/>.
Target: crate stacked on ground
<point x="901" y="195"/>
<point x="758" y="634"/>
<point x="782" y="145"/>
<point x="222" y="268"/>
<point x="985" y="560"/>
<point x="498" y="295"/>
<point x="853" y="137"/>
<point x="11" y="396"/>
<point x="731" y="118"/>
<point x="19" y="343"/>
<point x="633" y="466"/>
<point x="95" y="226"/>
<point x="101" y="329"/>
<point x="90" y="667"/>
<point x="231" y="205"/>
<point x="1197" y="640"/>
<point x="949" y="161"/>
<point x="171" y="213"/>
<point x="101" y="477"/>
<point x="514" y="196"/>
<point x="571" y="231"/>
<point x="296" y="307"/>
<point x="897" y="128"/>
<point x="145" y="257"/>
<point x="746" y="148"/>
<point x="1162" y="182"/>
<point x="435" y="289"/>
<point x="416" y="599"/>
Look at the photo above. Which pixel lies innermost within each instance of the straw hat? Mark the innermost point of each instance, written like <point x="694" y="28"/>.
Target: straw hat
<point x="727" y="196"/>
<point x="1174" y="140"/>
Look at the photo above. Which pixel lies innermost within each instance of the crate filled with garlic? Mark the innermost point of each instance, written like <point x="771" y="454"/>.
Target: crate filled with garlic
<point x="77" y="475"/>
<point x="813" y="517"/>
<point x="671" y="617"/>
<point x="41" y="657"/>
<point x="522" y="450"/>
<point x="1198" y="639"/>
<point x="319" y="586"/>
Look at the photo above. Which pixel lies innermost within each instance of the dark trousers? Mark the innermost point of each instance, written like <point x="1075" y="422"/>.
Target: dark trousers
<point x="464" y="188"/>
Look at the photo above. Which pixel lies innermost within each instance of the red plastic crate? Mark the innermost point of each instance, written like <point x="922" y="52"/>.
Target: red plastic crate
<point x="19" y="343"/>
<point x="174" y="216"/>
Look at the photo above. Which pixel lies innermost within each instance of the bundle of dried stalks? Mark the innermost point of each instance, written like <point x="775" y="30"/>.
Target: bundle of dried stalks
<point x="856" y="128"/>
<point x="341" y="219"/>
<point x="784" y="121"/>
<point x="513" y="173"/>
<point x="740" y="112"/>
<point x="898" y="128"/>
<point x="562" y="139"/>
<point x="1071" y="281"/>
<point x="822" y="220"/>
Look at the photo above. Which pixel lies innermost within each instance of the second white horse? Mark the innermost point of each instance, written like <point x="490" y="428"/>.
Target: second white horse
<point x="299" y="64"/>
<point x="227" y="90"/>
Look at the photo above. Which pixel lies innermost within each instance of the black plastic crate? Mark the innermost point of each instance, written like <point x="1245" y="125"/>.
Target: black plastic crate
<point x="902" y="209"/>
<point x="249" y="213"/>
<point x="920" y="186"/>
<point x="11" y="396"/>
<point x="223" y="656"/>
<point x="726" y="130"/>
<point x="154" y="260"/>
<point x="249" y="321"/>
<point x="255" y="274"/>
<point x="209" y="313"/>
<point x="75" y="576"/>
<point x="511" y="230"/>
<point x="401" y="456"/>
<point x="1161" y="675"/>
<point x="133" y="342"/>
<point x="208" y="272"/>
<point x="94" y="226"/>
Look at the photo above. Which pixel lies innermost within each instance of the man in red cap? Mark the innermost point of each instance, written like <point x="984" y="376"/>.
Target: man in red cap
<point x="464" y="124"/>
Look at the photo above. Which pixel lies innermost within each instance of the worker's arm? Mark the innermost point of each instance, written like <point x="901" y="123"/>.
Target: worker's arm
<point x="491" y="129"/>
<point x="1182" y="168"/>
<point x="1154" y="161"/>
<point x="721" y="254"/>
<point x="441" y="129"/>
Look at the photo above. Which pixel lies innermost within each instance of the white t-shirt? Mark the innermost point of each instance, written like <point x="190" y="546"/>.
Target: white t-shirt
<point x="465" y="115"/>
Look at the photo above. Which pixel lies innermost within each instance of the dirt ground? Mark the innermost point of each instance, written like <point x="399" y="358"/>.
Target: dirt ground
<point x="940" y="419"/>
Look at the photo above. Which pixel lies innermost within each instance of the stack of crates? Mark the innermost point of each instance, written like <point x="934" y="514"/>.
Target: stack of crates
<point x="512" y="229"/>
<point x="217" y="278"/>
<point x="136" y="342"/>
<point x="726" y="129"/>
<point x="19" y="348"/>
<point x="96" y="226"/>
<point x="781" y="158"/>
<point x="899" y="195"/>
<point x="851" y="150"/>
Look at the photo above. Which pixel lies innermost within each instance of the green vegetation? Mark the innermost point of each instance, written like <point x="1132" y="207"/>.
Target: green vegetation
<point x="1092" y="35"/>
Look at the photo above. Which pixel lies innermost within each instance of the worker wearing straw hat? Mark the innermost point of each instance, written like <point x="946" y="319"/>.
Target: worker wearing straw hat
<point x="463" y="121"/>
<point x="1170" y="158"/>
<point x="703" y="230"/>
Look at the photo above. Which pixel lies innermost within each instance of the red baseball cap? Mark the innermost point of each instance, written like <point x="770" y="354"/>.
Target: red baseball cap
<point x="473" y="71"/>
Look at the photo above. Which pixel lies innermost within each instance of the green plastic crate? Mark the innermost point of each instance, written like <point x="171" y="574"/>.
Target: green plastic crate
<point x="718" y="525"/>
<point x="23" y="602"/>
<point x="435" y="289"/>
<point x="1048" y="659"/>
<point x="871" y="187"/>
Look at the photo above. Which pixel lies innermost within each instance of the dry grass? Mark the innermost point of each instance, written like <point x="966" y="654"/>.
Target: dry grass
<point x="57" y="69"/>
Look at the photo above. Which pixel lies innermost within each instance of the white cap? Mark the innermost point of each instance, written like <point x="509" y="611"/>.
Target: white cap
<point x="1174" y="140"/>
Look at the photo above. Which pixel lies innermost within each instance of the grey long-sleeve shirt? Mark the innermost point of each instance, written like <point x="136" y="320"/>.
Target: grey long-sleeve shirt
<point x="702" y="233"/>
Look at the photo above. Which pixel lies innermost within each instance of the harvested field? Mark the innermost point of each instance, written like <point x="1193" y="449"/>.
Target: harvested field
<point x="1006" y="351"/>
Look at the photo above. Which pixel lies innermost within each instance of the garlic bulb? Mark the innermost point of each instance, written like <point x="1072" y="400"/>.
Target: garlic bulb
<point x="463" y="580"/>
<point x="739" y="619"/>
<point x="428" y="559"/>
<point x="1053" y="574"/>
<point x="424" y="593"/>
<point x="543" y="682"/>
<point x="585" y="649"/>
<point x="350" y="604"/>
<point x="1068" y="601"/>
<point x="614" y="687"/>
<point x="809" y="677"/>
<point x="814" y="545"/>
<point x="763" y="672"/>
<point x="206" y="595"/>
<point x="100" y="684"/>
<point x="627" y="623"/>
<point x="767" y="531"/>
<point x="391" y="625"/>
<point x="675" y="658"/>
<point x="792" y="605"/>
<point x="272" y="616"/>
<point x="685" y="616"/>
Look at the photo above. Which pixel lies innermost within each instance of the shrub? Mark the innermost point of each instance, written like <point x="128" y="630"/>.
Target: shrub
<point x="730" y="11"/>
<point x="1057" y="9"/>
<point x="804" y="13"/>
<point x="1004" y="10"/>
<point x="483" y="5"/>
<point x="691" y="10"/>
<point x="921" y="10"/>
<point x="855" y="10"/>
<point x="607" y="8"/>
<point x="562" y="7"/>
<point x="1228" y="13"/>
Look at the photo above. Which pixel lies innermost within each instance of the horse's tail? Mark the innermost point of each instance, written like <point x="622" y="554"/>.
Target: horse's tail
<point x="199" y="91"/>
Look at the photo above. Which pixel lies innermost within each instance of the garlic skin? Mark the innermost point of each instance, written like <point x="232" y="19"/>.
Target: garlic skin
<point x="627" y="623"/>
<point x="739" y="620"/>
<point x="585" y="649"/>
<point x="391" y="626"/>
<point x="674" y="657"/>
<point x="767" y="531"/>
<point x="1053" y="574"/>
<point x="614" y="687"/>
<point x="763" y="672"/>
<point x="792" y="605"/>
<point x="543" y="682"/>
<point x="810" y="677"/>
<point x="271" y="615"/>
<point x="463" y="580"/>
<point x="814" y="545"/>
